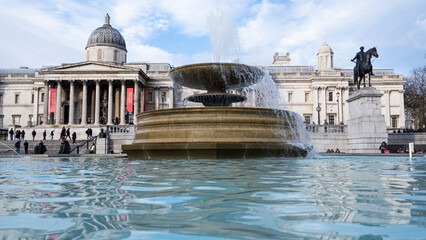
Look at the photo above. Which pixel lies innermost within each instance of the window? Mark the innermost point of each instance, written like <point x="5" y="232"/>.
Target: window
<point x="330" y="96"/>
<point x="306" y="97"/>
<point x="1" y="98"/>
<point x="32" y="98"/>
<point x="16" y="98"/>
<point x="394" y="120"/>
<point x="331" y="119"/>
<point x="99" y="55"/>
<point x="16" y="119"/>
<point x="290" y="96"/>
<point x="150" y="97"/>
<point x="115" y="55"/>
<point x="163" y="97"/>
<point x="308" y="119"/>
<point x="40" y="117"/>
<point x="42" y="97"/>
<point x="1" y="121"/>
<point x="31" y="118"/>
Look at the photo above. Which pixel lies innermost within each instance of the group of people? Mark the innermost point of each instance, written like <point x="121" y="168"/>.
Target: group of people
<point x="39" y="148"/>
<point x="332" y="151"/>
<point x="65" y="134"/>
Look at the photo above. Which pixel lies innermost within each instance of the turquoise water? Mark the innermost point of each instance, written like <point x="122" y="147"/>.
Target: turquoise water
<point x="106" y="198"/>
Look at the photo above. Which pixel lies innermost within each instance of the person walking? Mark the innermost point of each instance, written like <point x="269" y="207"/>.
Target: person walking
<point x="11" y="134"/>
<point x="44" y="135"/>
<point x="74" y="137"/>
<point x="63" y="132"/>
<point x="23" y="135"/>
<point x="26" y="147"/>
<point x="68" y="133"/>
<point x="34" y="134"/>
<point x="18" y="135"/>
<point x="18" y="146"/>
<point x="51" y="135"/>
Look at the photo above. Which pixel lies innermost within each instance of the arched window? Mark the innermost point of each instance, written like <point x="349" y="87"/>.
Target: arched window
<point x="115" y="55"/>
<point x="99" y="55"/>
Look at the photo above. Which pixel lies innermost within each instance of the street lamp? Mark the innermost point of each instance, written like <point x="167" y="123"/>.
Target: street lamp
<point x="319" y="110"/>
<point x="338" y="107"/>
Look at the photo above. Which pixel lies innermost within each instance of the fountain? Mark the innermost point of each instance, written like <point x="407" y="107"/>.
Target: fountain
<point x="219" y="130"/>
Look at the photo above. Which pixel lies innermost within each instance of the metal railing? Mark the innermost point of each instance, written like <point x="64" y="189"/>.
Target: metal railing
<point x="326" y="128"/>
<point x="94" y="138"/>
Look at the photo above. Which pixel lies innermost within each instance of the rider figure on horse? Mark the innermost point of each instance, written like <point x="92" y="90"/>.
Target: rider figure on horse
<point x="360" y="57"/>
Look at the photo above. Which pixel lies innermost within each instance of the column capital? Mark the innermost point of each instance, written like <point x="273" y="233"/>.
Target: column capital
<point x="386" y="91"/>
<point x="36" y="88"/>
<point x="109" y="80"/>
<point x="315" y="88"/>
<point x="401" y="91"/>
<point x="156" y="88"/>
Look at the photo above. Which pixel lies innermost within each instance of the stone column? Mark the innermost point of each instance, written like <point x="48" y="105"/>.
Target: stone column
<point x="58" y="103"/>
<point x="123" y="103"/>
<point x="110" y="89"/>
<point x="84" y="107"/>
<point x="142" y="100"/>
<point x="345" y="113"/>
<point x="72" y="110"/>
<point x="97" y="102"/>
<point x="117" y="103"/>
<point x="46" y="103"/>
<point x="366" y="123"/>
<point x="387" y="108"/>
<point x="171" y="97"/>
<point x="314" y="108"/>
<point x="35" y="109"/>
<point x="156" y="95"/>
<point x="136" y="99"/>
<point x="401" y="110"/>
<point x="324" y="106"/>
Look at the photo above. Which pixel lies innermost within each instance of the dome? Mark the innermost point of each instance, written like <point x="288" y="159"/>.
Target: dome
<point x="106" y="36"/>
<point x="325" y="48"/>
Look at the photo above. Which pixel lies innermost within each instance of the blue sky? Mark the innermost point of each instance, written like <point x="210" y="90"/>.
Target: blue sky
<point x="51" y="32"/>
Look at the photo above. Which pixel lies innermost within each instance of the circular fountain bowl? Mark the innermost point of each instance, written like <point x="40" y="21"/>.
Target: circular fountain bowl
<point x="216" y="99"/>
<point x="216" y="77"/>
<point x="217" y="132"/>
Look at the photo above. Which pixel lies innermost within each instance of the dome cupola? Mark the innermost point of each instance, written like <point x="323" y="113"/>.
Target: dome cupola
<point x="106" y="44"/>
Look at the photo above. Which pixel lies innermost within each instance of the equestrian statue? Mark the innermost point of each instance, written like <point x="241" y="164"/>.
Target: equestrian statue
<point x="363" y="65"/>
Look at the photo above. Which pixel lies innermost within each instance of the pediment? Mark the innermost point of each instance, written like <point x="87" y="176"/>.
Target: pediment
<point x="89" y="67"/>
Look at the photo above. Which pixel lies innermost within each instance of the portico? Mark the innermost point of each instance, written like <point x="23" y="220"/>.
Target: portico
<point x="79" y="97"/>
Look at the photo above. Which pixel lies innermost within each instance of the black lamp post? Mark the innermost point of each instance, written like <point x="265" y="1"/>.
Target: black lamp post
<point x="319" y="110"/>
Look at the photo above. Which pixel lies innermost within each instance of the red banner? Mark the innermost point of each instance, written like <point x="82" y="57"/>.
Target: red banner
<point x="52" y="100"/>
<point x="129" y="101"/>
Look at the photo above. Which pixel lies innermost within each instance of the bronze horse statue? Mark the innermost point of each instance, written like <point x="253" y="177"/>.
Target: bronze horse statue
<point x="365" y="67"/>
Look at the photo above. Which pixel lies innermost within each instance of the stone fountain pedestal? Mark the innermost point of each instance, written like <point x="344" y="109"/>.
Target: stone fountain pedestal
<point x="366" y="123"/>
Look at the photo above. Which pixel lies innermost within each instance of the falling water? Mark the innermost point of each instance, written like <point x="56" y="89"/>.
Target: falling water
<point x="11" y="149"/>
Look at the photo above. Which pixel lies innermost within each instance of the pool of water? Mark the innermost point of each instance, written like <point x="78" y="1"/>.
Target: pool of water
<point x="107" y="198"/>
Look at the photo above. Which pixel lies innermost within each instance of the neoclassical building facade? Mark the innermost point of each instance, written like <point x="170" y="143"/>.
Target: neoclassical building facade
<point x="105" y="89"/>
<point x="320" y="95"/>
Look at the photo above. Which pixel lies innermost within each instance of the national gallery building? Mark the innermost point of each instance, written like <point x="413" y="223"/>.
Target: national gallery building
<point x="105" y="89"/>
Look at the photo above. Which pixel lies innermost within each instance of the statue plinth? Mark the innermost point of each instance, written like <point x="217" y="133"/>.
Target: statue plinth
<point x="366" y="123"/>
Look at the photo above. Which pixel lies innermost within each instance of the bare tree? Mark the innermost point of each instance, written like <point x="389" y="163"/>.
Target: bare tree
<point x="415" y="96"/>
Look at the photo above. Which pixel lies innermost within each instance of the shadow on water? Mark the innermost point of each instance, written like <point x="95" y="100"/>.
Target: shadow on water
<point x="340" y="198"/>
